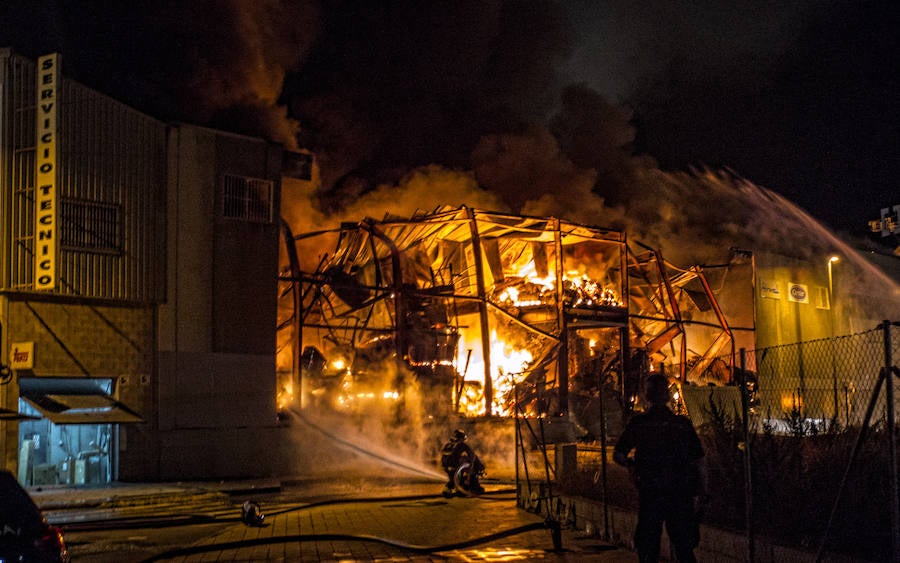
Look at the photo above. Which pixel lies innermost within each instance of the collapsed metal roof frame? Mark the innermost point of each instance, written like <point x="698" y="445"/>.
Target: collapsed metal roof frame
<point x="667" y="293"/>
<point x="393" y="270"/>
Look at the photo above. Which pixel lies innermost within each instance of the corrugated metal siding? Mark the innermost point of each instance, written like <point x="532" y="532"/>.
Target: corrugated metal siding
<point x="109" y="154"/>
<point x="19" y="169"/>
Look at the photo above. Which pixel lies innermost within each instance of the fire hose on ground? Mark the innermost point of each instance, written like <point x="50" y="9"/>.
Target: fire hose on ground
<point x="553" y="525"/>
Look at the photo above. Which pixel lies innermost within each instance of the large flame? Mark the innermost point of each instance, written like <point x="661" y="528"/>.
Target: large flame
<point x="509" y="362"/>
<point x="508" y="366"/>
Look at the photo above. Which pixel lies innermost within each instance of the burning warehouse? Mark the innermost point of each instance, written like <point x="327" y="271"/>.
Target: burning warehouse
<point x="445" y="311"/>
<point x="484" y="312"/>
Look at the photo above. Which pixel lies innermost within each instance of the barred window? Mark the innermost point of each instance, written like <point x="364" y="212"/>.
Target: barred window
<point x="247" y="199"/>
<point x="90" y="226"/>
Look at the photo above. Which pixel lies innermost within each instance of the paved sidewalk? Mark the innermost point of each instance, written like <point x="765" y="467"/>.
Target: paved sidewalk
<point x="416" y="524"/>
<point x="425" y="529"/>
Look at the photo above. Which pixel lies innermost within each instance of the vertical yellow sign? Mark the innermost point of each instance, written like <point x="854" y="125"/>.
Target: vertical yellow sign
<point x="45" y="201"/>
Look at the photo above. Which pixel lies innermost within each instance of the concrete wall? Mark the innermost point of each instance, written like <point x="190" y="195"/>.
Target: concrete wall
<point x="187" y="327"/>
<point x="80" y="340"/>
<point x="217" y="416"/>
<point x="221" y="285"/>
<point x="185" y="320"/>
<point x="216" y="370"/>
<point x="245" y="283"/>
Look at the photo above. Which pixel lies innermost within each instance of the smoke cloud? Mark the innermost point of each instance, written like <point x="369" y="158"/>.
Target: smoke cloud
<point x="538" y="107"/>
<point x="219" y="63"/>
<point x="799" y="100"/>
<point x="478" y="92"/>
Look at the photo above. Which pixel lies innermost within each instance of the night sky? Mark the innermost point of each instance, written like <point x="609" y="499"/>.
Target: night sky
<point x="798" y="97"/>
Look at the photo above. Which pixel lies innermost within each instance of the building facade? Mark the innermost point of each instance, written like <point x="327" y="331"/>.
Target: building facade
<point x="138" y="266"/>
<point x="811" y="314"/>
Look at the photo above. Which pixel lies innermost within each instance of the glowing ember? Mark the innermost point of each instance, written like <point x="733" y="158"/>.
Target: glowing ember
<point x="525" y="290"/>
<point x="516" y="296"/>
<point x="581" y="291"/>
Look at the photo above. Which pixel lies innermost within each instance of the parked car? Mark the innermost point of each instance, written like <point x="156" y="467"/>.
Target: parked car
<point x="25" y="534"/>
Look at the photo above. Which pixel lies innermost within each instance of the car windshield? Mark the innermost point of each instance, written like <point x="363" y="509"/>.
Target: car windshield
<point x="17" y="510"/>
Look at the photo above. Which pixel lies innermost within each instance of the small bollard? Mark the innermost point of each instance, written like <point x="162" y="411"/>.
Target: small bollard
<point x="555" y="533"/>
<point x="251" y="513"/>
<point x="566" y="460"/>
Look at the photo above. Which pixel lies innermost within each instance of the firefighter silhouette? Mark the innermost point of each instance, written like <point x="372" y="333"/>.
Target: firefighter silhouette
<point x="462" y="466"/>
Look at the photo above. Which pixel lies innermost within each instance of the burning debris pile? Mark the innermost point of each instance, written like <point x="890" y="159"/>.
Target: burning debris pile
<point x="478" y="313"/>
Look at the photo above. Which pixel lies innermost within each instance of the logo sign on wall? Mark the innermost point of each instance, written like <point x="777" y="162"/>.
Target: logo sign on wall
<point x="22" y="355"/>
<point x="798" y="292"/>
<point x="769" y="289"/>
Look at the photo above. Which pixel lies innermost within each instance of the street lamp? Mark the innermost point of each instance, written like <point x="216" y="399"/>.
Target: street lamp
<point x="831" y="261"/>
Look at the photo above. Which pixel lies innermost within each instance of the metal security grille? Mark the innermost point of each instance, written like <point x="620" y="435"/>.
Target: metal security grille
<point x="91" y="226"/>
<point x="247" y="199"/>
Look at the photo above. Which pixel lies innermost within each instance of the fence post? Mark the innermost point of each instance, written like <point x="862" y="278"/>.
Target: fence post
<point x="892" y="445"/>
<point x="886" y="378"/>
<point x="748" y="466"/>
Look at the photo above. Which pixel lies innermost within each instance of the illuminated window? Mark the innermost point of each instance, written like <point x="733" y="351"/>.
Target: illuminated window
<point x="822" y="301"/>
<point x="247" y="199"/>
<point x="90" y="226"/>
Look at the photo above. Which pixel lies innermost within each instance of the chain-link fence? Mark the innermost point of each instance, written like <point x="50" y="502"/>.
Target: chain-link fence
<point x="817" y="425"/>
<point x="800" y="449"/>
<point x="825" y="382"/>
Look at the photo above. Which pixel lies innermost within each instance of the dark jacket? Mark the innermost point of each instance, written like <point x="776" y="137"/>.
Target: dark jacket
<point x="452" y="452"/>
<point x="666" y="452"/>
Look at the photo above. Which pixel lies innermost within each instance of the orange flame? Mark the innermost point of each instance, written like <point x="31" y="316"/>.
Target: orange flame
<point x="508" y="364"/>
